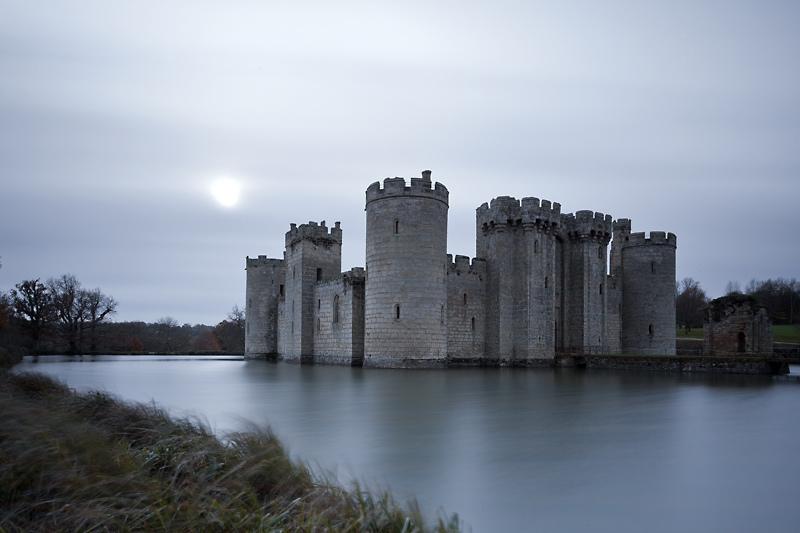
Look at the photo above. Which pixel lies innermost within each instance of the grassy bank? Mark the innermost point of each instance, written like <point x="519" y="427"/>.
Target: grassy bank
<point x="90" y="462"/>
<point x="781" y="333"/>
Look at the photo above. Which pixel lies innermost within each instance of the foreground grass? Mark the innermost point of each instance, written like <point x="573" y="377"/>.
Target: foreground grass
<point x="89" y="462"/>
<point x="780" y="333"/>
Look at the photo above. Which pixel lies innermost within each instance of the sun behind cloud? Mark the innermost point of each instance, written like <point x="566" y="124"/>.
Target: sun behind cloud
<point x="226" y="191"/>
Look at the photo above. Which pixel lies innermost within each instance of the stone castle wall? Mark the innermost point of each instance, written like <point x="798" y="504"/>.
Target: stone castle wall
<point x="465" y="310"/>
<point x="587" y="238"/>
<point x="264" y="282"/>
<point x="648" y="294"/>
<point x="339" y="322"/>
<point x="406" y="266"/>
<point x="540" y="286"/>
<point x="519" y="241"/>
<point x="313" y="254"/>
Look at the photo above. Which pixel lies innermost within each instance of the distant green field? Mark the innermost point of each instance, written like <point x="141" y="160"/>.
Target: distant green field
<point x="781" y="333"/>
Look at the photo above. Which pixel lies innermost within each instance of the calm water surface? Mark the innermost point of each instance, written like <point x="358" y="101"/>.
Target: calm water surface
<point x="509" y="450"/>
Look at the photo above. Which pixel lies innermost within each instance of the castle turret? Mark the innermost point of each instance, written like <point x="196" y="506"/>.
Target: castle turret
<point x="585" y="268"/>
<point x="313" y="253"/>
<point x="519" y="240"/>
<point x="621" y="232"/>
<point x="265" y="278"/>
<point x="406" y="268"/>
<point x="648" y="293"/>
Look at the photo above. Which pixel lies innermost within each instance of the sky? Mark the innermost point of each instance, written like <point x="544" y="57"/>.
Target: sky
<point x="117" y="116"/>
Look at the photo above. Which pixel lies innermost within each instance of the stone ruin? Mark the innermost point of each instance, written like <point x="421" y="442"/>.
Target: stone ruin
<point x="736" y="325"/>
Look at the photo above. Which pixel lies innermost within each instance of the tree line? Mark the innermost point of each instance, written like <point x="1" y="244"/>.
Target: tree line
<point x="59" y="315"/>
<point x="780" y="296"/>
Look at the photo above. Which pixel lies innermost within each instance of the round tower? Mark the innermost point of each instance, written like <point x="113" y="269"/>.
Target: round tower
<point x="406" y="294"/>
<point x="648" y="294"/>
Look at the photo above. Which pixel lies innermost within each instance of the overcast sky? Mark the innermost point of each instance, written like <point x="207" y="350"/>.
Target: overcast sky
<point x="116" y="116"/>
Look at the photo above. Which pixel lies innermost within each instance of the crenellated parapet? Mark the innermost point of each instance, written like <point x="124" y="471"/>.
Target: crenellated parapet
<point x="417" y="187"/>
<point x="262" y="261"/>
<point x="529" y="212"/>
<point x="462" y="265"/>
<point x="317" y="233"/>
<point x="622" y="226"/>
<point x="589" y="225"/>
<point x="655" y="238"/>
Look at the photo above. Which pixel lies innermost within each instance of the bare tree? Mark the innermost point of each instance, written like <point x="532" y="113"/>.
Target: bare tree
<point x="99" y="307"/>
<point x="70" y="308"/>
<point x="32" y="302"/>
<point x="733" y="287"/>
<point x="689" y="304"/>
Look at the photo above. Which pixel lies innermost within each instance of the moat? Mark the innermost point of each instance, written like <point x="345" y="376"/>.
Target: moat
<point x="509" y="450"/>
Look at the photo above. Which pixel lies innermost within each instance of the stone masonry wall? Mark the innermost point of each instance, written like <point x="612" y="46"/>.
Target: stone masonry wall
<point x="406" y="266"/>
<point x="518" y="239"/>
<point x="312" y="254"/>
<point x="264" y="280"/>
<point x="466" y="321"/>
<point x="648" y="294"/>
<point x="585" y="284"/>
<point x="736" y="324"/>
<point x="339" y="322"/>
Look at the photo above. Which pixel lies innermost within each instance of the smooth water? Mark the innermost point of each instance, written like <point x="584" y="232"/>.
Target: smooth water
<point x="509" y="450"/>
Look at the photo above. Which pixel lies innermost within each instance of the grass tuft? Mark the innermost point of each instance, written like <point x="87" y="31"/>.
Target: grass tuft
<point x="90" y="462"/>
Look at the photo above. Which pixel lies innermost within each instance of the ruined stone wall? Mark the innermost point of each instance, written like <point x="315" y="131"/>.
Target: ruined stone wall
<point x="466" y="321"/>
<point x="264" y="280"/>
<point x="406" y="267"/>
<point x="648" y="294"/>
<point x="588" y="235"/>
<point x="736" y="325"/>
<point x="339" y="322"/>
<point x="312" y="254"/>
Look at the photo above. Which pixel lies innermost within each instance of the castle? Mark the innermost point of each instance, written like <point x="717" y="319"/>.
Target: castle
<point x="541" y="285"/>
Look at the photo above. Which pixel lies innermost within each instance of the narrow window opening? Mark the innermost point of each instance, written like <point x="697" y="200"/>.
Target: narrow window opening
<point x="650" y="330"/>
<point x="536" y="247"/>
<point x="601" y="288"/>
<point x="397" y="311"/>
<point x="396" y="227"/>
<point x="281" y="290"/>
<point x="653" y="267"/>
<point x="473" y="323"/>
<point x="600" y="252"/>
<point x="293" y="272"/>
<point x="336" y="309"/>
<point x="441" y="314"/>
<point x="318" y="326"/>
<point x="546" y="282"/>
<point x="319" y="274"/>
<point x="465" y="298"/>
<point x="741" y="342"/>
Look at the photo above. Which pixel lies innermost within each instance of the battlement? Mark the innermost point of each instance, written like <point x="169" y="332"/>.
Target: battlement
<point x="419" y="187"/>
<point x="462" y="265"/>
<point x="353" y="276"/>
<point x="588" y="224"/>
<point x="261" y="261"/>
<point x="655" y="238"/>
<point x="622" y="225"/>
<point x="312" y="231"/>
<point x="507" y="209"/>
